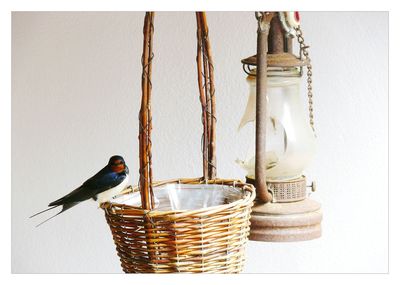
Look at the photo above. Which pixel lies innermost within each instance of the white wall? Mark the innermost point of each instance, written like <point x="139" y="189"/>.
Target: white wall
<point x="75" y="100"/>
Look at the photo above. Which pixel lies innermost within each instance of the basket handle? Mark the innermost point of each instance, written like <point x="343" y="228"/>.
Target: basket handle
<point x="205" y="78"/>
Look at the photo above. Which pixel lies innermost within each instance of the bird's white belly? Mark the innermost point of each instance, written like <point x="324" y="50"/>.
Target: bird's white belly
<point x="107" y="195"/>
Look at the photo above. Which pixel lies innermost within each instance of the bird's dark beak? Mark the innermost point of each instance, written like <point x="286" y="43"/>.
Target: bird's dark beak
<point x="126" y="169"/>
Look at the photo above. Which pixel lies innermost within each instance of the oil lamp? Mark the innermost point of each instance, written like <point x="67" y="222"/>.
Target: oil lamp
<point x="285" y="138"/>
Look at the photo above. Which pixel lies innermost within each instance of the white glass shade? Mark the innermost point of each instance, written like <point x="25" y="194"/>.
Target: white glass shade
<point x="290" y="139"/>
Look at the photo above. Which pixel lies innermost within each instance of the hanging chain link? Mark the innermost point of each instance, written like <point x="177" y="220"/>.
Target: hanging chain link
<point x="304" y="53"/>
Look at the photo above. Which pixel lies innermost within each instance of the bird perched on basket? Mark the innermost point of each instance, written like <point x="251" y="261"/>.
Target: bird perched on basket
<point x="103" y="186"/>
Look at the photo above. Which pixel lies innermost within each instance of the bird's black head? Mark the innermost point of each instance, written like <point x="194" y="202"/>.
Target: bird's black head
<point x="117" y="164"/>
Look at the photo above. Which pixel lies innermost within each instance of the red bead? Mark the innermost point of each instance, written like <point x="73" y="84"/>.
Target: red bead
<point x="297" y="16"/>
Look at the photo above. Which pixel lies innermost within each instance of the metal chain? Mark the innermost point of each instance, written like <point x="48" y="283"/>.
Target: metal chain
<point x="304" y="53"/>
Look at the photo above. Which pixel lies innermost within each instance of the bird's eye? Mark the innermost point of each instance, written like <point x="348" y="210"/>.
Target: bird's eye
<point x="116" y="163"/>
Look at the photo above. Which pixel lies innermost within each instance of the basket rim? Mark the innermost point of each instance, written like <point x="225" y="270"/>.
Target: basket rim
<point x="246" y="201"/>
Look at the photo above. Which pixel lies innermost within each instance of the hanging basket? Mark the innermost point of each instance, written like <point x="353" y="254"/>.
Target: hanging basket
<point x="183" y="225"/>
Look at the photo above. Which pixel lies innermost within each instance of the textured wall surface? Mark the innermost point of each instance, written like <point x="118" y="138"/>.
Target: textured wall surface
<point x="75" y="100"/>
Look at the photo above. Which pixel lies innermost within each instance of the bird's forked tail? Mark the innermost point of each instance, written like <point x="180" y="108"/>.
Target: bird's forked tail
<point x="64" y="208"/>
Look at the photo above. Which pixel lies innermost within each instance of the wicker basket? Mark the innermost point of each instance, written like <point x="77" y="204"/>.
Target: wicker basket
<point x="208" y="239"/>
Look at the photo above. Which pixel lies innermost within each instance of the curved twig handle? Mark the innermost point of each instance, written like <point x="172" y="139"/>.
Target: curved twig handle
<point x="145" y="125"/>
<point x="205" y="79"/>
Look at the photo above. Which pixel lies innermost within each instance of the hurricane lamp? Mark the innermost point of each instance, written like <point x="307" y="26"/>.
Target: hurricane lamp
<point x="285" y="140"/>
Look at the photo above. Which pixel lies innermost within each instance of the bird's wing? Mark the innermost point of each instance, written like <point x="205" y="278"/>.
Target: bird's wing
<point x="100" y="182"/>
<point x="104" y="182"/>
<point x="78" y="195"/>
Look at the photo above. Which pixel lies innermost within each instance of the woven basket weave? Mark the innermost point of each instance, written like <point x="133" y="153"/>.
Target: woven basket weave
<point x="210" y="239"/>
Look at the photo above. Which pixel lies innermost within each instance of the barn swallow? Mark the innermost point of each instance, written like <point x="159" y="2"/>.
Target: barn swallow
<point x="103" y="186"/>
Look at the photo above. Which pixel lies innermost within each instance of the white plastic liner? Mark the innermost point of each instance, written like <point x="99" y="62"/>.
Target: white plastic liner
<point x="186" y="196"/>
